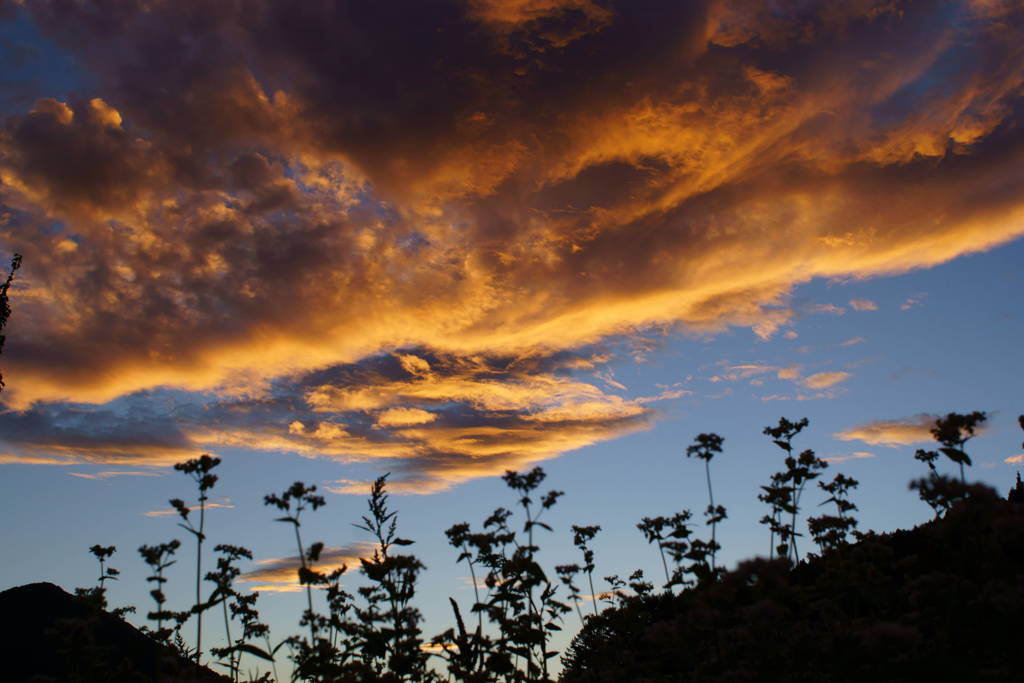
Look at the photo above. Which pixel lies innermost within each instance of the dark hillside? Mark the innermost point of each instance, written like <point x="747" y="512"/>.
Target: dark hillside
<point x="47" y="634"/>
<point x="943" y="601"/>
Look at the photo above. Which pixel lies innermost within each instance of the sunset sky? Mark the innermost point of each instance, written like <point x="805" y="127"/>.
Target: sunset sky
<point x="447" y="238"/>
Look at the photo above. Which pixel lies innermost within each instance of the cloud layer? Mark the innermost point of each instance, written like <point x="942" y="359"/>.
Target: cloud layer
<point x="481" y="193"/>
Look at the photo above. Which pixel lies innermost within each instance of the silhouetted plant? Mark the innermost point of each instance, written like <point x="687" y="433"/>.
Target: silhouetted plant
<point x="637" y="585"/>
<point x="778" y="497"/>
<point x="241" y="606"/>
<point x="521" y="575"/>
<point x="459" y="537"/>
<point x="97" y="595"/>
<point x="581" y="537"/>
<point x="671" y="535"/>
<point x="940" y="492"/>
<point x="5" y="307"/>
<point x="294" y="501"/>
<point x="520" y="599"/>
<point x="198" y="470"/>
<point x="390" y="634"/>
<point x="831" y="531"/>
<point x="928" y="458"/>
<point x="492" y="552"/>
<point x="466" y="652"/>
<point x="953" y="431"/>
<point x="158" y="558"/>
<point x="787" y="487"/>
<point x="567" y="574"/>
<point x="705" y="447"/>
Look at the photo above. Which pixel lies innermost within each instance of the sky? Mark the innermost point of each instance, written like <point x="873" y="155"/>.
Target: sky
<point x="325" y="241"/>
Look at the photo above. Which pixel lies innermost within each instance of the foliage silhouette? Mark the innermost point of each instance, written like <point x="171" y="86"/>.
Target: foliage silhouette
<point x="389" y="634"/>
<point x="786" y="488"/>
<point x="581" y="537"/>
<point x="793" y="618"/>
<point x="158" y="558"/>
<point x="940" y="602"/>
<point x="952" y="431"/>
<point x="831" y="531"/>
<point x="241" y="606"/>
<point x="520" y="599"/>
<point x="5" y="307"/>
<point x="311" y="659"/>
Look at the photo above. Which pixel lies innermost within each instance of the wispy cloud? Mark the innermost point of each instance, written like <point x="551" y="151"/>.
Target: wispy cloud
<point x="29" y="459"/>
<point x="863" y="305"/>
<point x="827" y="308"/>
<point x="1015" y="459"/>
<point x="111" y="474"/>
<point x="912" y="301"/>
<point x="170" y="512"/>
<point x="856" y="455"/>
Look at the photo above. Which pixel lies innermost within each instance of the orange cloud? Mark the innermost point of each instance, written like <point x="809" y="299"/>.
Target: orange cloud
<point x="822" y="380"/>
<point x="19" y="459"/>
<point x="791" y="372"/>
<point x="281" y="574"/>
<point x="892" y="433"/>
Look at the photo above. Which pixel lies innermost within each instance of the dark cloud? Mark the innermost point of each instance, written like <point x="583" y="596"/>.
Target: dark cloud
<point x="436" y="420"/>
<point x="68" y="434"/>
<point x="269" y="197"/>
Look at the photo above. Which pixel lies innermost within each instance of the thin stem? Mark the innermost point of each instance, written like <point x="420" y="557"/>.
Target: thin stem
<point x="309" y="591"/>
<point x="663" y="562"/>
<point x="199" y="573"/>
<point x="529" y="522"/>
<point x="711" y="508"/>
<point x="576" y="603"/>
<point x="792" y="530"/>
<point x="273" y="664"/>
<point x="707" y="471"/>
<point x="160" y="603"/>
<point x="593" y="595"/>
<point x="476" y="592"/>
<point x="227" y="630"/>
